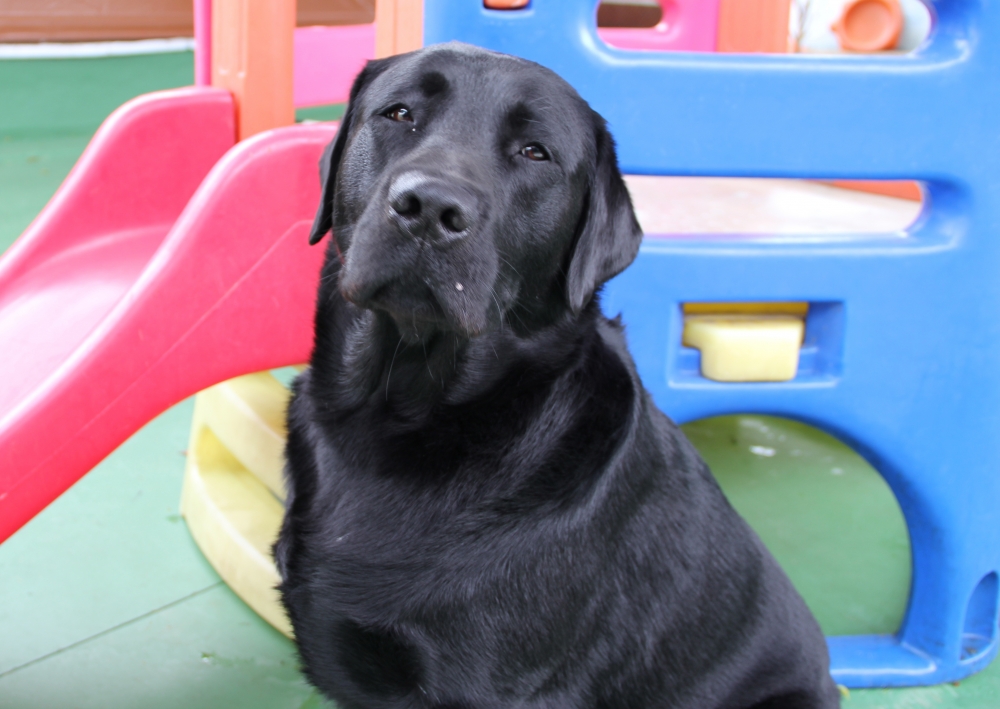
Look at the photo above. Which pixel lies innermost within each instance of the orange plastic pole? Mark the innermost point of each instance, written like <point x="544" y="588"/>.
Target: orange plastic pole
<point x="252" y="59"/>
<point x="399" y="26"/>
<point x="753" y="26"/>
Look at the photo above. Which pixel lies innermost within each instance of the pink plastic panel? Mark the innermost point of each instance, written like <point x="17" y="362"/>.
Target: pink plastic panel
<point x="687" y="25"/>
<point x="203" y="42"/>
<point x="326" y="61"/>
<point x="229" y="290"/>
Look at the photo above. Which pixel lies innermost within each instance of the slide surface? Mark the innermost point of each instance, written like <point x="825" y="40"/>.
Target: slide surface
<point x="162" y="265"/>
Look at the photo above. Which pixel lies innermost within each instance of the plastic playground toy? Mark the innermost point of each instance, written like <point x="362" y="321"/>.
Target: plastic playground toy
<point x="233" y="488"/>
<point x="746" y="342"/>
<point x="325" y="59"/>
<point x="901" y="333"/>
<point x="145" y="298"/>
<point x="869" y="25"/>
<point x="133" y="268"/>
<point x="698" y="26"/>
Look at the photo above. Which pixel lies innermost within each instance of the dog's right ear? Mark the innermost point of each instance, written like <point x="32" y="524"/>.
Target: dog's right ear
<point x="329" y="163"/>
<point x="609" y="233"/>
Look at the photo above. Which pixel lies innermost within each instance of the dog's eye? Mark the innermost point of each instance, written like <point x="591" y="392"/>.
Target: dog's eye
<point x="534" y="152"/>
<point x="399" y="113"/>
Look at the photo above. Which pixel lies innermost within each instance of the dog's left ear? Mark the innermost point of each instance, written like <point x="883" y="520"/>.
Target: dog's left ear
<point x="329" y="163"/>
<point x="609" y="235"/>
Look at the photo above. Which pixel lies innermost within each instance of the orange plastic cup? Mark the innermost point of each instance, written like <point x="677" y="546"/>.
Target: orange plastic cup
<point x="869" y="25"/>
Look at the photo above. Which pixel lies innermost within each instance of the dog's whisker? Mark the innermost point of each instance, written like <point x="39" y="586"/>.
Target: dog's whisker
<point x="513" y="311"/>
<point x="497" y="301"/>
<point x="509" y="264"/>
<point x="427" y="362"/>
<point x="392" y="362"/>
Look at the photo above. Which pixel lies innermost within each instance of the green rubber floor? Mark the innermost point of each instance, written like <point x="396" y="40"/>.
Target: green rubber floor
<point x="106" y="602"/>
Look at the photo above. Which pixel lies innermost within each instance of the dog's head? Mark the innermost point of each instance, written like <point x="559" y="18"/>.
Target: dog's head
<point x="467" y="189"/>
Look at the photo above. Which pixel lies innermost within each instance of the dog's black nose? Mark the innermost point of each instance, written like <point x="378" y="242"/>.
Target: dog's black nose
<point x="432" y="207"/>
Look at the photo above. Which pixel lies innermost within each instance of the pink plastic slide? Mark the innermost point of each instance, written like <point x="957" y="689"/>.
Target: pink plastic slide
<point x="168" y="260"/>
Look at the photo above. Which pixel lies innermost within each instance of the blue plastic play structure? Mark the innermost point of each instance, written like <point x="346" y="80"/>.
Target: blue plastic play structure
<point x="901" y="358"/>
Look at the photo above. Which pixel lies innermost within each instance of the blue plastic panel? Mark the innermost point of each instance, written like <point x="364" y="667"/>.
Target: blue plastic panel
<point x="903" y="359"/>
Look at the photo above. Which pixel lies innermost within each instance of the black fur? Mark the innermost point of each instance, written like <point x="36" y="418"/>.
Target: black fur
<point x="485" y="508"/>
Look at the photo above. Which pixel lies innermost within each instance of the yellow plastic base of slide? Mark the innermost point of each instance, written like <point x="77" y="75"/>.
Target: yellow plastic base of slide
<point x="232" y="492"/>
<point x="746" y="342"/>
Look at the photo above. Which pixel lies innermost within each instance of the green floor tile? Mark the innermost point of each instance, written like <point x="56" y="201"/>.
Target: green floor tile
<point x="110" y="549"/>
<point x="838" y="532"/>
<point x="209" y="651"/>
<point x="328" y="112"/>
<point x="69" y="95"/>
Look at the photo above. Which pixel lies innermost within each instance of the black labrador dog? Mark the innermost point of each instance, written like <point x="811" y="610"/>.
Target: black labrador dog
<point x="486" y="509"/>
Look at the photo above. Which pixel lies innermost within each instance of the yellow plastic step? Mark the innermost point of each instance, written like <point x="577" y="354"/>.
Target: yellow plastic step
<point x="235" y="520"/>
<point x="247" y="414"/>
<point x="746" y="342"/>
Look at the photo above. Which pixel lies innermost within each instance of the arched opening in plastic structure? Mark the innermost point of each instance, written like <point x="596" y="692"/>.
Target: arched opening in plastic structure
<point x="980" y="627"/>
<point x="774" y="207"/>
<point x="629" y="13"/>
<point x="827" y="516"/>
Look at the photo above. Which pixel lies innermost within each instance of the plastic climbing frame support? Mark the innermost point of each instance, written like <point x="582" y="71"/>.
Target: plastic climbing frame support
<point x="902" y="330"/>
<point x="232" y="486"/>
